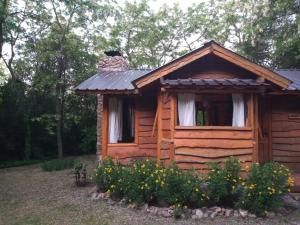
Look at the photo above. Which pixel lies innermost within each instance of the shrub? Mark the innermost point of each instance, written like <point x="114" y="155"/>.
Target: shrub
<point x="264" y="187"/>
<point x="57" y="164"/>
<point x="225" y="183"/>
<point x="80" y="174"/>
<point x="145" y="181"/>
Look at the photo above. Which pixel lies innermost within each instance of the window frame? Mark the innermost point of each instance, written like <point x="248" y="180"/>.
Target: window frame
<point x="135" y="115"/>
<point x="248" y="123"/>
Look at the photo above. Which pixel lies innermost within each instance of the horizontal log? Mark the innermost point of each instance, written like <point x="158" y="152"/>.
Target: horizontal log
<point x="285" y="126"/>
<point x="203" y="167"/>
<point x="218" y="134"/>
<point x="146" y="133"/>
<point x="147" y="140"/>
<point x="295" y="167"/>
<point x="166" y="114"/>
<point x="194" y="159"/>
<point x="212" y="153"/>
<point x="286" y="140"/>
<point x="146" y="114"/>
<point x="146" y="121"/>
<point x="166" y="133"/>
<point x="143" y="128"/>
<point x="164" y="154"/>
<point x="213" y="143"/>
<point x="287" y="159"/>
<point x="288" y="147"/>
<point x="148" y="146"/>
<point x="128" y="152"/>
<point x="286" y="153"/>
<point x="288" y="134"/>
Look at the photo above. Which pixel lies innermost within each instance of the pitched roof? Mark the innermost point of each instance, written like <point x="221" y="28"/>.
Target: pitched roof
<point x="112" y="80"/>
<point x="215" y="49"/>
<point x="293" y="75"/>
<point x="213" y="82"/>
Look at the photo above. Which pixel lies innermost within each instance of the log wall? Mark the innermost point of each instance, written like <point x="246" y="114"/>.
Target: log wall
<point x="196" y="147"/>
<point x="286" y="131"/>
<point x="145" y="144"/>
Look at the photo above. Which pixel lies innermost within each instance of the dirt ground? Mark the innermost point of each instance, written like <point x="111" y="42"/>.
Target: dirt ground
<point x="30" y="196"/>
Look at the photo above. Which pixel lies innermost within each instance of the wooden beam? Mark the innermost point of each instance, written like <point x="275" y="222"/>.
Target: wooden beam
<point x="104" y="126"/>
<point x="172" y="125"/>
<point x="255" y="127"/>
<point x="159" y="127"/>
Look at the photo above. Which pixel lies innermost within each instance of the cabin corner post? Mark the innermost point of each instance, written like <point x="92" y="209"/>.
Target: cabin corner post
<point x="172" y="125"/>
<point x="255" y="126"/>
<point x="99" y="127"/>
<point x="104" y="127"/>
<point x="159" y="127"/>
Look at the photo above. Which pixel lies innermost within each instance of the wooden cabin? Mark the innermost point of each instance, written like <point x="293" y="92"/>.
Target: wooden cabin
<point x="202" y="107"/>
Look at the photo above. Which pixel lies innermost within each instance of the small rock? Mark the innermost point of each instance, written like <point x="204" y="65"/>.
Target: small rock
<point x="166" y="213"/>
<point x="122" y="202"/>
<point x="145" y="207"/>
<point x="95" y="196"/>
<point x="132" y="206"/>
<point x="243" y="213"/>
<point x="216" y="209"/>
<point x="235" y="213"/>
<point x="228" y="212"/>
<point x="92" y="191"/>
<point x="194" y="217"/>
<point x="110" y="201"/>
<point x="205" y="214"/>
<point x="251" y="215"/>
<point x="213" y="215"/>
<point x="153" y="210"/>
<point x="270" y="214"/>
<point x="198" y="213"/>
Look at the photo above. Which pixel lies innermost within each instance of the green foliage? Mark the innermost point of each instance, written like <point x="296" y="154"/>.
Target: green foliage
<point x="14" y="163"/>
<point x="224" y="182"/>
<point x="57" y="164"/>
<point x="146" y="181"/>
<point x="264" y="187"/>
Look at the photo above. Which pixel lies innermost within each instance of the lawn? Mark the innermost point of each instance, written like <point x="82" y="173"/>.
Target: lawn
<point x="29" y="195"/>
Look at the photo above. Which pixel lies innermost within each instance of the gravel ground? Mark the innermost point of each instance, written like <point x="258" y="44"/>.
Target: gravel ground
<point x="29" y="195"/>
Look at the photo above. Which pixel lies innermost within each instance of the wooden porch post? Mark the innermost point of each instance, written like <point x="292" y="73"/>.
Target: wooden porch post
<point x="159" y="127"/>
<point x="255" y="126"/>
<point x="104" y="127"/>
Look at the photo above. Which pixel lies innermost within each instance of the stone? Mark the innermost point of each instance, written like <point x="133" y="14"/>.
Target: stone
<point x="282" y="211"/>
<point x="122" y="202"/>
<point x="235" y="213"/>
<point x="228" y="212"/>
<point x="95" y="196"/>
<point x="166" y="212"/>
<point x="290" y="202"/>
<point x="153" y="210"/>
<point x="251" y="215"/>
<point x="205" y="214"/>
<point x="92" y="191"/>
<point x="216" y="209"/>
<point x="145" y="207"/>
<point x="110" y="201"/>
<point x="132" y="206"/>
<point x="243" y="213"/>
<point x="270" y="214"/>
<point x="213" y="215"/>
<point x="199" y="214"/>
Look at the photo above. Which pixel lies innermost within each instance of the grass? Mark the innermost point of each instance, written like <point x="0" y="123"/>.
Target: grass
<point x="31" y="196"/>
<point x="58" y="164"/>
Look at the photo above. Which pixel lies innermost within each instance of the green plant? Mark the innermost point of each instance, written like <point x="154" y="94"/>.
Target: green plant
<point x="264" y="187"/>
<point x="80" y="174"/>
<point x="57" y="164"/>
<point x="224" y="183"/>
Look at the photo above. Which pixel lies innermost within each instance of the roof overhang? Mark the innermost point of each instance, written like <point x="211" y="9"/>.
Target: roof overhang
<point x="217" y="50"/>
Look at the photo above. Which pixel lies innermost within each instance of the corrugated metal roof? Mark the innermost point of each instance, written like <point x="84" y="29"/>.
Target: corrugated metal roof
<point x="122" y="80"/>
<point x="112" y="80"/>
<point x="293" y="75"/>
<point x="213" y="82"/>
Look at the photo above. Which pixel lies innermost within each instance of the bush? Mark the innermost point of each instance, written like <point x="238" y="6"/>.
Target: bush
<point x="264" y="187"/>
<point x="146" y="181"/>
<point x="225" y="183"/>
<point x="57" y="164"/>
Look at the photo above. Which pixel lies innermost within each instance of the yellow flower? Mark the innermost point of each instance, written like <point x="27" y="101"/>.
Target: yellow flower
<point x="196" y="189"/>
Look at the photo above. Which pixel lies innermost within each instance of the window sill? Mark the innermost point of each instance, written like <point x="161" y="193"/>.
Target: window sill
<point x="212" y="128"/>
<point x="122" y="144"/>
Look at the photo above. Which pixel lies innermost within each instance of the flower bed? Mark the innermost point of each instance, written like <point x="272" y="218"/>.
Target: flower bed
<point x="156" y="185"/>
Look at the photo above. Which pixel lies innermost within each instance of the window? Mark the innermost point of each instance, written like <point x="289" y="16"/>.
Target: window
<point x="212" y="110"/>
<point x="121" y="120"/>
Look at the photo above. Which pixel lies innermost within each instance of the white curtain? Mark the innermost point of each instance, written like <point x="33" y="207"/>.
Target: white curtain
<point x="238" y="117"/>
<point x="115" y="119"/>
<point x="186" y="109"/>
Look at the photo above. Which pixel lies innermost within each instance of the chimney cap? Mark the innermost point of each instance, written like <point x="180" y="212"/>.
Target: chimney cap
<point x="113" y="53"/>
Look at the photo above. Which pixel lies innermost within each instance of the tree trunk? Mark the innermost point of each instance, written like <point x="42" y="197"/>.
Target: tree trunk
<point x="59" y="120"/>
